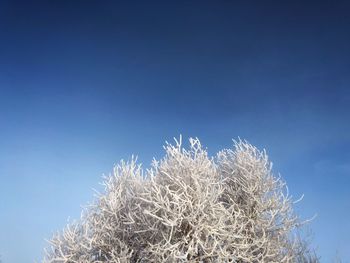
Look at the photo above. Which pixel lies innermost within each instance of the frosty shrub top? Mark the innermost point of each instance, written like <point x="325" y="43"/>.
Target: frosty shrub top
<point x="187" y="208"/>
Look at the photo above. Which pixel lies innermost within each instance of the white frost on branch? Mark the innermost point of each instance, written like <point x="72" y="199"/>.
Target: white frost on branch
<point x="188" y="208"/>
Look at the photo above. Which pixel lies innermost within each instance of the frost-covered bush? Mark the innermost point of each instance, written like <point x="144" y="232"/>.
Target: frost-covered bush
<point x="188" y="208"/>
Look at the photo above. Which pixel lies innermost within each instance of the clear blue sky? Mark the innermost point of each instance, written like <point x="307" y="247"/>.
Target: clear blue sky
<point x="84" y="84"/>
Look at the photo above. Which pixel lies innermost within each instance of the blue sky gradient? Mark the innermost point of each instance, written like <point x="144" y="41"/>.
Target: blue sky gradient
<point x="84" y="84"/>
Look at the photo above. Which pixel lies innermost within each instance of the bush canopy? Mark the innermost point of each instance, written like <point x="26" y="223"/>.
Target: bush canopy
<point x="188" y="207"/>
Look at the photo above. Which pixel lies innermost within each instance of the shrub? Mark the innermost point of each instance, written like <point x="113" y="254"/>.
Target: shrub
<point x="188" y="208"/>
